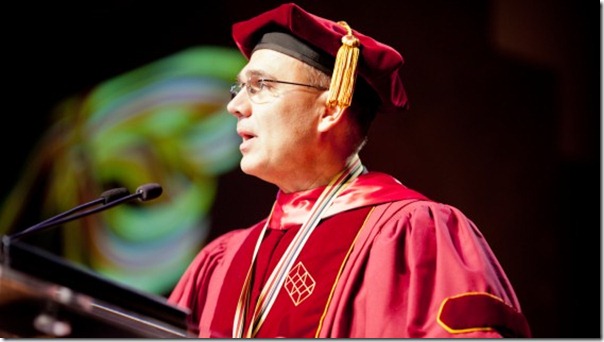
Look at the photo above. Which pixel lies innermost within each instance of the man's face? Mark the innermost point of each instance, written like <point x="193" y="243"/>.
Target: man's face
<point x="277" y="122"/>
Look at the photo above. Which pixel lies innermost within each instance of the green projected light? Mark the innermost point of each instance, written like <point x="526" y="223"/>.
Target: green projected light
<point x="164" y="123"/>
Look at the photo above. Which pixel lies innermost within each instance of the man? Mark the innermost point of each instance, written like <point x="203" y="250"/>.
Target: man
<point x="345" y="252"/>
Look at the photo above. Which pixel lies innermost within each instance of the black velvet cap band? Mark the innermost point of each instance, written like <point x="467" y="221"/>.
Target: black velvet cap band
<point x="296" y="48"/>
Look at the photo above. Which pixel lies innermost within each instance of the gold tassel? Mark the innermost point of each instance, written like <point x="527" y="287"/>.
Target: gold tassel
<point x="344" y="72"/>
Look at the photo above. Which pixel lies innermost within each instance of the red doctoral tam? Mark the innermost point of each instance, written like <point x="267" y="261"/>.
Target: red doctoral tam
<point x="319" y="42"/>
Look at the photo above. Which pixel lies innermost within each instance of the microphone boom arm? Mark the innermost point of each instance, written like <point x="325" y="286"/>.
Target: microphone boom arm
<point x="144" y="193"/>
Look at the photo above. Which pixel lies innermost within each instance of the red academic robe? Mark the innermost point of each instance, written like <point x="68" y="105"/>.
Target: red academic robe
<point x="385" y="262"/>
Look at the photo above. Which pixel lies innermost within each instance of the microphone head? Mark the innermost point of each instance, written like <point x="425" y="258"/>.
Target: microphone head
<point x="114" y="194"/>
<point x="149" y="191"/>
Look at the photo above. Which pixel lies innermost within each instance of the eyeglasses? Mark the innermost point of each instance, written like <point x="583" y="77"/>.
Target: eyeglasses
<point x="259" y="91"/>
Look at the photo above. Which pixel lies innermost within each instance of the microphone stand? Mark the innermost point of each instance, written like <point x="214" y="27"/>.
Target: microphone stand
<point x="109" y="199"/>
<point x="105" y="197"/>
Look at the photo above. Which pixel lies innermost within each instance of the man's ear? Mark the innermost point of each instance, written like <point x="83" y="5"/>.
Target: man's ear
<point x="331" y="116"/>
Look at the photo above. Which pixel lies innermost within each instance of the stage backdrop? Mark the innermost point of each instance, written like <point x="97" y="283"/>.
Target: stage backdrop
<point x="163" y="123"/>
<point x="504" y="123"/>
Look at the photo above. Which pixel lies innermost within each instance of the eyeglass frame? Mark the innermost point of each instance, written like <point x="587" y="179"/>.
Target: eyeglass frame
<point x="236" y="87"/>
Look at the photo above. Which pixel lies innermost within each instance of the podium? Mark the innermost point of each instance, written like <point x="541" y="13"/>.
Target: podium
<point x="45" y="296"/>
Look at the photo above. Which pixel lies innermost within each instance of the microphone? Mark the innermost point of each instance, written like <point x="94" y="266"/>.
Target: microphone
<point x="109" y="199"/>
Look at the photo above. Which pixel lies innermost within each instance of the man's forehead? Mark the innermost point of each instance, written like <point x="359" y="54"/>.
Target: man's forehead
<point x="270" y="63"/>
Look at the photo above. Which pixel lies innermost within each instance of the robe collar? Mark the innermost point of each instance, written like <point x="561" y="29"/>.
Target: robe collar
<point x="371" y="188"/>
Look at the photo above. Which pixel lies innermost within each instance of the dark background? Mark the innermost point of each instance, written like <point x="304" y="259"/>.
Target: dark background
<point x="504" y="121"/>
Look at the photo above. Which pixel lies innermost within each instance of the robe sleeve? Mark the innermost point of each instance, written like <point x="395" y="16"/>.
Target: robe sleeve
<point x="423" y="269"/>
<point x="199" y="286"/>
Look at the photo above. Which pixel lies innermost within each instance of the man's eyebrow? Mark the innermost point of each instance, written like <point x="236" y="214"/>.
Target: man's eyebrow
<point x="253" y="73"/>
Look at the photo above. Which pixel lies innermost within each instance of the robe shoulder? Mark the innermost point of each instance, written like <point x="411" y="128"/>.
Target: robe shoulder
<point x="199" y="287"/>
<point x="438" y="278"/>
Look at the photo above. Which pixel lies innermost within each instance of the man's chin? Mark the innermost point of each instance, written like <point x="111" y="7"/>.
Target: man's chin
<point x="248" y="167"/>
